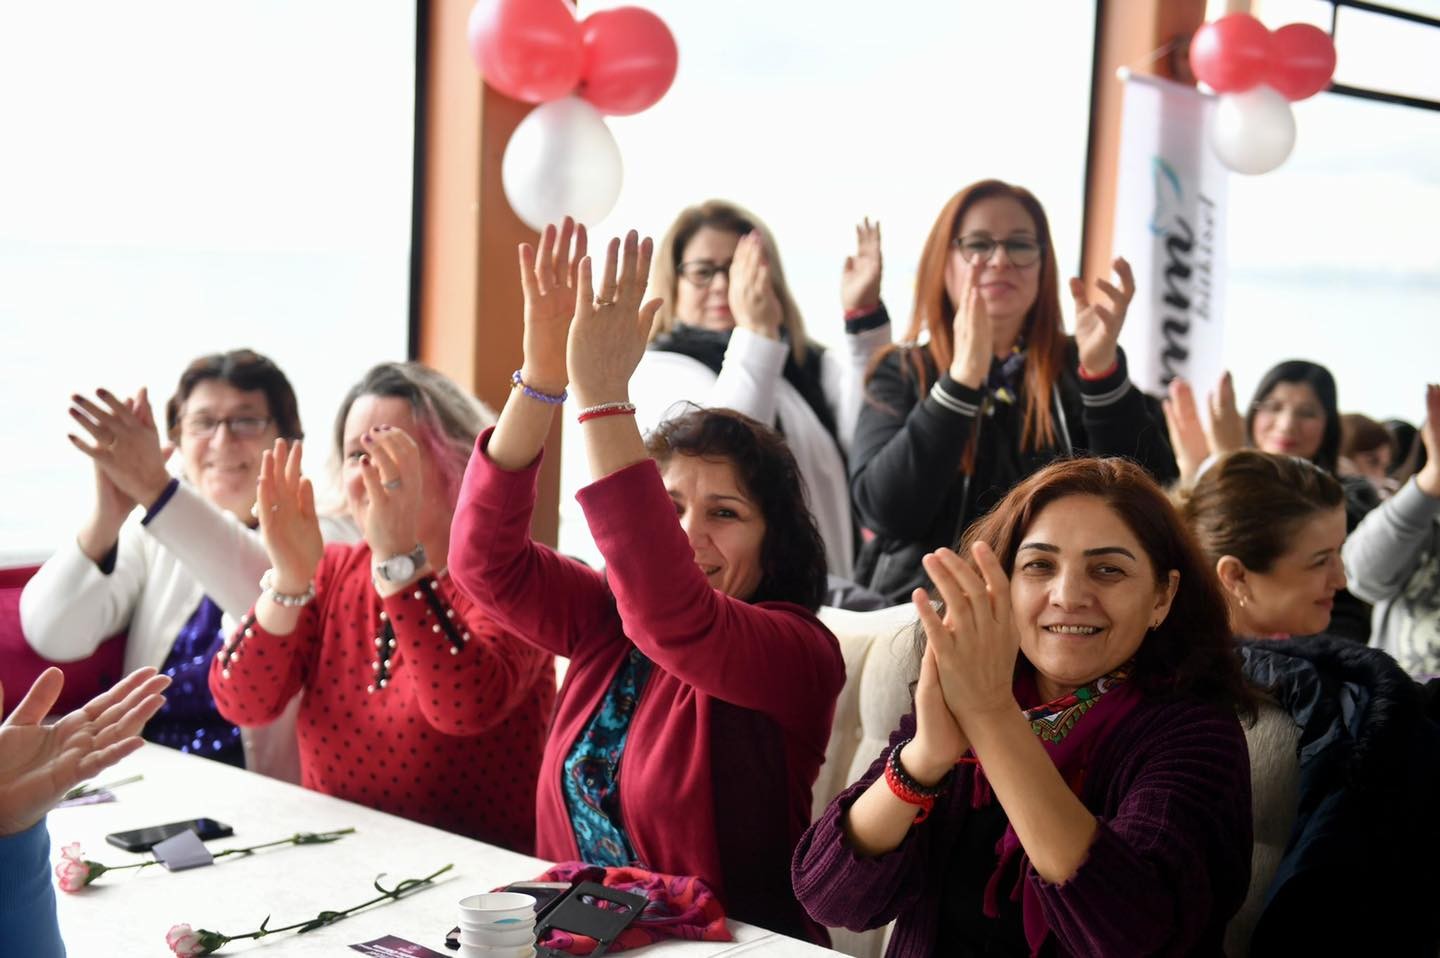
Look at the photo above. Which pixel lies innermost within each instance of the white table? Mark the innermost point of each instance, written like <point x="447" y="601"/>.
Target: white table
<point x="128" y="913"/>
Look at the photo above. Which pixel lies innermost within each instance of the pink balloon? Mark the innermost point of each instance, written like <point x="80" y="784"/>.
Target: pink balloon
<point x="1303" y="61"/>
<point x="629" y="60"/>
<point x="526" y="49"/>
<point x="1231" y="54"/>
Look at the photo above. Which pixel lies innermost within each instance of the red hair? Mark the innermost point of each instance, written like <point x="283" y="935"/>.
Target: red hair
<point x="1043" y="329"/>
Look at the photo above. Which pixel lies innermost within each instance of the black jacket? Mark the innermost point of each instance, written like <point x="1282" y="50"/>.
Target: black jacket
<point x="905" y="475"/>
<point x="1355" y="878"/>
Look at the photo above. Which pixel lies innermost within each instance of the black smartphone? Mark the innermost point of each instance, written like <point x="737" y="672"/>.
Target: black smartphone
<point x="144" y="839"/>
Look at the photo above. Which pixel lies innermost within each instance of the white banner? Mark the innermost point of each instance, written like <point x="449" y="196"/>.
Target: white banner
<point x="1170" y="225"/>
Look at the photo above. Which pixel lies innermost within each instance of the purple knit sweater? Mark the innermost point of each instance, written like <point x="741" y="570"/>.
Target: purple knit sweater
<point x="1169" y="867"/>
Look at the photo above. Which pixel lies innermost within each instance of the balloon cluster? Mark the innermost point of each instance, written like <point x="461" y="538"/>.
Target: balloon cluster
<point x="1258" y="74"/>
<point x="562" y="159"/>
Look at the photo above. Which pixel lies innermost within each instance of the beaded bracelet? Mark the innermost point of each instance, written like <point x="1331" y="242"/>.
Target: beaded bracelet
<point x="517" y="383"/>
<point x="606" y="409"/>
<point x="280" y="598"/>
<point x="910" y="791"/>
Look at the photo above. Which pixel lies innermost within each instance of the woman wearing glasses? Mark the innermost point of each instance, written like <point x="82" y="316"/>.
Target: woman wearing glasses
<point x="168" y="575"/>
<point x="730" y="335"/>
<point x="988" y="387"/>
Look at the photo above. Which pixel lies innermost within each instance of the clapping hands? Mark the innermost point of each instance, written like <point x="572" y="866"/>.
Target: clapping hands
<point x="1193" y="442"/>
<point x="1097" y="325"/>
<point x="611" y="328"/>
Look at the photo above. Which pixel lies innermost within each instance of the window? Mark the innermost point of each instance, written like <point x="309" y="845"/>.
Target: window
<point x="816" y="115"/>
<point x="184" y="178"/>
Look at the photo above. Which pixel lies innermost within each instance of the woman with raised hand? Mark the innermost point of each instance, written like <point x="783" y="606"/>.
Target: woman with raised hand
<point x="729" y="334"/>
<point x="1072" y="779"/>
<point x="1294" y="412"/>
<point x="415" y="701"/>
<point x="697" y="704"/>
<point x="988" y="387"/>
<point x="169" y="576"/>
<point x="1346" y="768"/>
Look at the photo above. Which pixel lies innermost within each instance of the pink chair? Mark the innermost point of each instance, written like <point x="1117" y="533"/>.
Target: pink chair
<point x="20" y="665"/>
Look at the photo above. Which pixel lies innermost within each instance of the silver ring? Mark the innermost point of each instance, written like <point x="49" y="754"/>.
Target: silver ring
<point x="392" y="485"/>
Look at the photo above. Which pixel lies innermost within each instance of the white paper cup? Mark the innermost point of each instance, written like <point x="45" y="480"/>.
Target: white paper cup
<point x="498" y="908"/>
<point x="517" y="938"/>
<point x="480" y="951"/>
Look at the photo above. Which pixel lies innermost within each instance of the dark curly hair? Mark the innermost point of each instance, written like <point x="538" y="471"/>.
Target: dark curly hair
<point x="247" y="371"/>
<point x="792" y="555"/>
<point x="1192" y="653"/>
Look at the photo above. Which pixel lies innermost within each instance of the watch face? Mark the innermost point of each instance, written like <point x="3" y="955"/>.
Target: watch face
<point x="399" y="567"/>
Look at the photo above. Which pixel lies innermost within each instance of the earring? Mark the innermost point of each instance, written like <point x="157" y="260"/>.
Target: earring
<point x="1242" y="602"/>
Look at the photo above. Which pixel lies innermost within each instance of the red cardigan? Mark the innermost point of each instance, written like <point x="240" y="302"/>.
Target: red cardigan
<point x="451" y="740"/>
<point x="737" y="690"/>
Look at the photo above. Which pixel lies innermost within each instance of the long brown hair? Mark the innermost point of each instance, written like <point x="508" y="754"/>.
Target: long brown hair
<point x="1043" y="329"/>
<point x="1192" y="653"/>
<point x="726" y="217"/>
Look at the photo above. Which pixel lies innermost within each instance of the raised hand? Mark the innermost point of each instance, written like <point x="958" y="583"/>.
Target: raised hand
<point x="1097" y="325"/>
<point x="611" y="329"/>
<point x="975" y="642"/>
<point x="126" y="445"/>
<point x="1225" y="426"/>
<point x="289" y="528"/>
<point x="974" y="338"/>
<point x="40" y="763"/>
<point x="860" y="280"/>
<point x="1428" y="478"/>
<point x="1187" y="434"/>
<point x="550" y="279"/>
<point x="394" y="485"/>
<point x="753" y="301"/>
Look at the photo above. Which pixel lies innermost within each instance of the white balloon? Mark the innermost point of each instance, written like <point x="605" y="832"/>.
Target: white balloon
<point x="562" y="161"/>
<point x="1252" y="132"/>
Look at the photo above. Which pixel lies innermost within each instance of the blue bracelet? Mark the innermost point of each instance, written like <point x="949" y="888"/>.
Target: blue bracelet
<point x="517" y="383"/>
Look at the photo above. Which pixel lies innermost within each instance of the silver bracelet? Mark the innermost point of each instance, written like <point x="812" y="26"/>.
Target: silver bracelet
<point x="279" y="598"/>
<point x="605" y="409"/>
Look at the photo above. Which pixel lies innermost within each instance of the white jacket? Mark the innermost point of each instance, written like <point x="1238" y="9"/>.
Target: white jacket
<point x="69" y="606"/>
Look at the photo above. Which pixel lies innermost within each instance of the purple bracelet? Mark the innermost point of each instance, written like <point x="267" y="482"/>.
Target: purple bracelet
<point x="517" y="383"/>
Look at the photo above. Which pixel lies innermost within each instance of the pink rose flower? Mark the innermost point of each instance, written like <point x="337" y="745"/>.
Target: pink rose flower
<point x="184" y="941"/>
<point x="73" y="872"/>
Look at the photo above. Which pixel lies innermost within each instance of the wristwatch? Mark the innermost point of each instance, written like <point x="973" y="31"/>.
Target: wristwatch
<point x="399" y="568"/>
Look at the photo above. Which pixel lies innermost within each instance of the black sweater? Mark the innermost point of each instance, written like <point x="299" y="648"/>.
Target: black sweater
<point x="905" y="463"/>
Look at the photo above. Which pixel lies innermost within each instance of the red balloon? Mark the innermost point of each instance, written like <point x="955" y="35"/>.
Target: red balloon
<point x="1231" y="54"/>
<point x="1303" y="60"/>
<point x="526" y="49"/>
<point x="629" y="60"/>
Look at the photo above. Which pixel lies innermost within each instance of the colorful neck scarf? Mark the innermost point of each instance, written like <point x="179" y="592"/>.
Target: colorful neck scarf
<point x="1071" y="744"/>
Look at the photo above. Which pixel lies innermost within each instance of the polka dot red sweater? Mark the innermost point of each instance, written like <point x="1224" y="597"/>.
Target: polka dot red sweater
<point x="416" y="704"/>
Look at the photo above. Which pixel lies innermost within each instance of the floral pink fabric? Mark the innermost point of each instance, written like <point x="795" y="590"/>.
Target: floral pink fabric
<point x="681" y="907"/>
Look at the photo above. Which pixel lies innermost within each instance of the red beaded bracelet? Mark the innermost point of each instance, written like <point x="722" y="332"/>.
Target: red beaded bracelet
<point x="910" y="791"/>
<point x="1095" y="377"/>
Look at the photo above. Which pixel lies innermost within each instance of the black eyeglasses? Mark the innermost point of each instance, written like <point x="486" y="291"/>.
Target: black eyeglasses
<point x="702" y="272"/>
<point x="241" y="427"/>
<point x="978" y="248"/>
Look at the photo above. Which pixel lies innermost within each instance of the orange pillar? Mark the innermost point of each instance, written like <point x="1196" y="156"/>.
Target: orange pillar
<point x="471" y="306"/>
